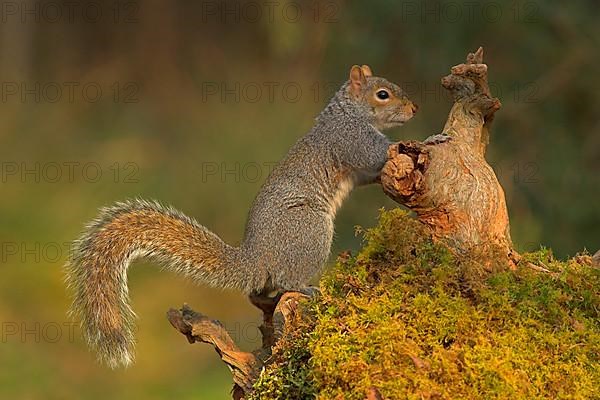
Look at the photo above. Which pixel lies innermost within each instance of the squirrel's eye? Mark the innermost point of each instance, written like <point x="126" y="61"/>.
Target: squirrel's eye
<point x="382" y="94"/>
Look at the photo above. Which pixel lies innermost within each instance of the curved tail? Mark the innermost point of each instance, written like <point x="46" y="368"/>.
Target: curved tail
<point x="97" y="270"/>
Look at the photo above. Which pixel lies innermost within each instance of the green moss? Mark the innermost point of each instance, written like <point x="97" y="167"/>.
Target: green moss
<point x="287" y="376"/>
<point x="411" y="319"/>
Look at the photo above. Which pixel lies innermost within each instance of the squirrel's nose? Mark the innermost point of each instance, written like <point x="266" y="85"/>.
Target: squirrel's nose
<point x="414" y="108"/>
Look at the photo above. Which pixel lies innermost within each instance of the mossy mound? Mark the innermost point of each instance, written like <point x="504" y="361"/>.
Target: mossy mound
<point x="407" y="317"/>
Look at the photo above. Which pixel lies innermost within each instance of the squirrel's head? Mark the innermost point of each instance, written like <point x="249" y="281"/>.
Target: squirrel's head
<point x="385" y="102"/>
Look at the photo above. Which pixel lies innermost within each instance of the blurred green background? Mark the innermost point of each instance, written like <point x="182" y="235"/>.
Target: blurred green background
<point x="190" y="103"/>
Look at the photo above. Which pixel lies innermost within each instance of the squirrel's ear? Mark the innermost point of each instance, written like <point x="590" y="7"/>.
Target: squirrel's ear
<point x="366" y="70"/>
<point x="357" y="79"/>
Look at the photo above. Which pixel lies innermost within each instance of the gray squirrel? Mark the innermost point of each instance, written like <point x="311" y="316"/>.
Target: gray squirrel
<point x="288" y="233"/>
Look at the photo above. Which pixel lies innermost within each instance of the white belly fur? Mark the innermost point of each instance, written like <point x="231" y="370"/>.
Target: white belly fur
<point x="343" y="189"/>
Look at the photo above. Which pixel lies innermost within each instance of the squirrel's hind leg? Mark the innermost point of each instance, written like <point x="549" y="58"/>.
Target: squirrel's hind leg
<point x="266" y="301"/>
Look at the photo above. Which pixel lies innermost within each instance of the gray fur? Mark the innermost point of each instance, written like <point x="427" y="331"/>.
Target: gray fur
<point x="288" y="233"/>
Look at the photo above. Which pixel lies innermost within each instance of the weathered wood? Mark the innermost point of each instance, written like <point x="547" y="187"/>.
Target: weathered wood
<point x="446" y="180"/>
<point x="197" y="327"/>
<point x="245" y="367"/>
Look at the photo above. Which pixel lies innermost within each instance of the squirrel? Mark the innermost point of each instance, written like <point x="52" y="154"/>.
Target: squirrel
<point x="288" y="233"/>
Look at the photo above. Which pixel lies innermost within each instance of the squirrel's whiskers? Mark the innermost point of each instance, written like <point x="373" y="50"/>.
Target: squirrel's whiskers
<point x="289" y="230"/>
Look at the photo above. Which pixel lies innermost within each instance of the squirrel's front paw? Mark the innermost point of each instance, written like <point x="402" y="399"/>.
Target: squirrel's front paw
<point x="438" y="139"/>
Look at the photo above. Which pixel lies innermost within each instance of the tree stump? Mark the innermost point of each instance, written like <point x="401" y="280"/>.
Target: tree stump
<point x="446" y="180"/>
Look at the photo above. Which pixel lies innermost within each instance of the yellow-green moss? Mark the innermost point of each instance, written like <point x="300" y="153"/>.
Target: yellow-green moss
<point x="407" y="317"/>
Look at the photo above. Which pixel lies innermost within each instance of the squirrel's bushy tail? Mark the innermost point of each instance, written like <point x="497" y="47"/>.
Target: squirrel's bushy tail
<point x="97" y="270"/>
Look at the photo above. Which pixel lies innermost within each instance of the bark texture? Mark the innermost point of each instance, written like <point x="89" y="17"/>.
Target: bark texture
<point x="446" y="180"/>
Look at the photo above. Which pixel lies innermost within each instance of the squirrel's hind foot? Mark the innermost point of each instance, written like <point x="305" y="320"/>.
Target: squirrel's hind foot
<point x="310" y="291"/>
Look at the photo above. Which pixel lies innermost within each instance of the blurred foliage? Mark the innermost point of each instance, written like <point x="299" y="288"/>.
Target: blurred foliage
<point x="407" y="317"/>
<point x="171" y="124"/>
